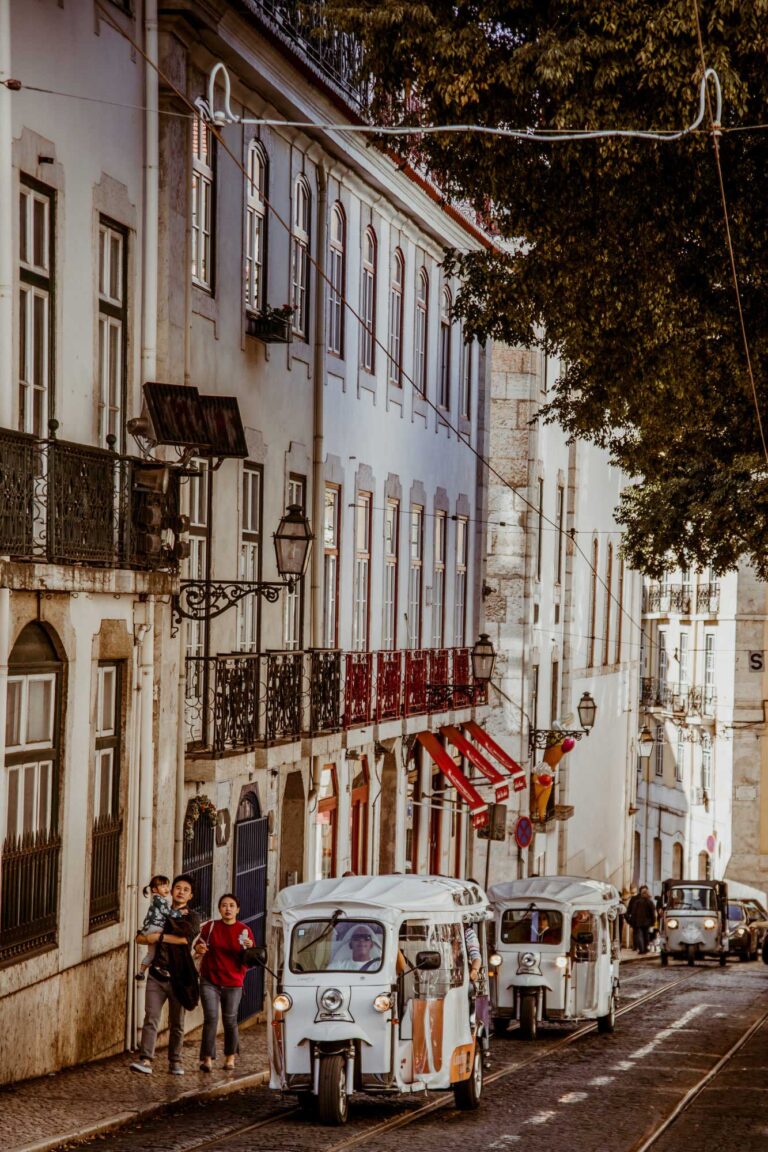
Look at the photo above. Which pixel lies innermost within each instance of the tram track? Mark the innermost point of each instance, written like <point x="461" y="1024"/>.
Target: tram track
<point x="647" y="1141"/>
<point x="445" y="1099"/>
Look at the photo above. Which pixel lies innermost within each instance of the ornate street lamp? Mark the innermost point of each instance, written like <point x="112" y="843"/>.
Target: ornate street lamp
<point x="645" y="742"/>
<point x="207" y="599"/>
<point x="546" y="737"/>
<point x="483" y="658"/>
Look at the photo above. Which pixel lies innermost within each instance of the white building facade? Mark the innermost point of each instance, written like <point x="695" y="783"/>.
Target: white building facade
<point x="251" y="743"/>
<point x="563" y="611"/>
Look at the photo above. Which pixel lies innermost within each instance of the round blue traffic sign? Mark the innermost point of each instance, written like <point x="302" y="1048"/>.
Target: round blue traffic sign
<point x="523" y="832"/>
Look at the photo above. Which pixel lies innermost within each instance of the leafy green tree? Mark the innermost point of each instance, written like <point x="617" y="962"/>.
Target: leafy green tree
<point x="614" y="248"/>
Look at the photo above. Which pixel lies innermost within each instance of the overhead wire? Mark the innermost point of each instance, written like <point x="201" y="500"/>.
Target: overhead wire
<point x="439" y="412"/>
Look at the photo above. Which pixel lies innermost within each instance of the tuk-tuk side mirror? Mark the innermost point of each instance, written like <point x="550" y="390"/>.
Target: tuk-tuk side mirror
<point x="428" y="961"/>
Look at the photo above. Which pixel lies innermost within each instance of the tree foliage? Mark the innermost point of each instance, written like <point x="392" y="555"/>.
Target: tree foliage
<point x="615" y="249"/>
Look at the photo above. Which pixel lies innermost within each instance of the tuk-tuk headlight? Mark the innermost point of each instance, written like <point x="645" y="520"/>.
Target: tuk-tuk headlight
<point x="331" y="999"/>
<point x="672" y="923"/>
<point x="383" y="1002"/>
<point x="282" y="1002"/>
<point x="740" y="932"/>
<point x="710" y="923"/>
<point x="561" y="961"/>
<point x="494" y="960"/>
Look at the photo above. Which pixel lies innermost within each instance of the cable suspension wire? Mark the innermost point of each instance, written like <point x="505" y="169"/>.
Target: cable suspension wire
<point x="715" y="132"/>
<point x="322" y="275"/>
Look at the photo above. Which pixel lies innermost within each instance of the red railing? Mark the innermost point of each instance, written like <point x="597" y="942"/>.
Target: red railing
<point x="389" y="685"/>
<point x="462" y="675"/>
<point x="415" y="686"/>
<point x="358" y="685"/>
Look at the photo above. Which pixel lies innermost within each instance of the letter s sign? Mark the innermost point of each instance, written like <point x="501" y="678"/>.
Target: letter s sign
<point x="756" y="661"/>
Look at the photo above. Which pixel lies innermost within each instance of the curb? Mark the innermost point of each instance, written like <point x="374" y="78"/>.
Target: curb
<point x="121" y="1119"/>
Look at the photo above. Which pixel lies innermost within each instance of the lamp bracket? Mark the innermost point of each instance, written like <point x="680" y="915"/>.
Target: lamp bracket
<point x="207" y="599"/>
<point x="546" y="737"/>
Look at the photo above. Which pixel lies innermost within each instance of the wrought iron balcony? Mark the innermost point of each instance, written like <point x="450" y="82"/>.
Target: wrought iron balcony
<point x="336" y="55"/>
<point x="668" y="599"/>
<point x="64" y="503"/>
<point x="236" y="702"/>
<point x="708" y="599"/>
<point x="677" y="700"/>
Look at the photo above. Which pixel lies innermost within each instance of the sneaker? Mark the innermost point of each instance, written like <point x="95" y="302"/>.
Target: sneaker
<point x="176" y="1070"/>
<point x="142" y="1066"/>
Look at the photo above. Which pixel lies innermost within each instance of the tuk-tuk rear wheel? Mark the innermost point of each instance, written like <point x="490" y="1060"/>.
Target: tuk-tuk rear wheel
<point x="723" y="959"/>
<point x="467" y="1093"/>
<point x="528" y="1021"/>
<point x="500" y="1026"/>
<point x="332" y="1101"/>
<point x="664" y="959"/>
<point x="607" y="1023"/>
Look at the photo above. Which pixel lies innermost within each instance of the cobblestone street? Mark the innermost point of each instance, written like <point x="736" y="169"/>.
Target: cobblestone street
<point x="581" y="1092"/>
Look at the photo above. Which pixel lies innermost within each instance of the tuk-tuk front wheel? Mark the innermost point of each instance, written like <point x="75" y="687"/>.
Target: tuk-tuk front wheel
<point x="691" y="954"/>
<point x="332" y="1100"/>
<point x="528" y="1014"/>
<point x="467" y="1093"/>
<point x="500" y="1026"/>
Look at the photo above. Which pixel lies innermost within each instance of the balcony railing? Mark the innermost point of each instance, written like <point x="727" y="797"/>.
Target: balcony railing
<point x="63" y="503"/>
<point x="676" y="699"/>
<point x="105" y="872"/>
<point x="682" y="599"/>
<point x="30" y="886"/>
<point x="338" y="55"/>
<point x="236" y="702"/>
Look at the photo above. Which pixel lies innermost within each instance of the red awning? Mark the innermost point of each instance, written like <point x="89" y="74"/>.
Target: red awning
<point x="477" y="806"/>
<point x="475" y="756"/>
<point x="479" y="734"/>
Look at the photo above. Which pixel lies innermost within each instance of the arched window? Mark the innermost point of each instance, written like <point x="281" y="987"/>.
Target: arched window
<point x="359" y="824"/>
<point x="368" y="302"/>
<point x="31" y="841"/>
<point x="677" y="861"/>
<point x="255" y="227"/>
<point x="421" y="332"/>
<point x="302" y="215"/>
<point x="336" y="271"/>
<point x="593" y="606"/>
<point x="656" y="859"/>
<point x="327" y="821"/>
<point x="608" y="605"/>
<point x="396" y="286"/>
<point x="444" y="383"/>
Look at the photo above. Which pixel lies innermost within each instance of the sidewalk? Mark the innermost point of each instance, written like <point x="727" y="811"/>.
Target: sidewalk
<point x="82" y="1102"/>
<point x="90" y="1099"/>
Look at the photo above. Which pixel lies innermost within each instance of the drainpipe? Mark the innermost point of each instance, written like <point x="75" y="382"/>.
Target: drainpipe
<point x="6" y="221"/>
<point x="318" y="454"/>
<point x="5" y="645"/>
<point x="133" y="887"/>
<point x="178" y="842"/>
<point x="146" y="742"/>
<point x="151" y="196"/>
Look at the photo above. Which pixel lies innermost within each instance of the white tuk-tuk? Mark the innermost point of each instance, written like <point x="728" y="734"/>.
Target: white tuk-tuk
<point x="555" y="952"/>
<point x="372" y="992"/>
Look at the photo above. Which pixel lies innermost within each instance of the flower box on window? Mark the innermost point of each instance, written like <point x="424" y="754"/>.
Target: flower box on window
<point x="271" y="325"/>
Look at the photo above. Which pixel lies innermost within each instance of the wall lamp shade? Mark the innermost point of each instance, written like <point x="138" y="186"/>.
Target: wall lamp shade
<point x="293" y="540"/>
<point x="645" y="742"/>
<point x="483" y="659"/>
<point x="587" y="710"/>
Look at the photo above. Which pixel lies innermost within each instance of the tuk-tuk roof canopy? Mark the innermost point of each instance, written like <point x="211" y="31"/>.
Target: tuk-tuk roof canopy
<point x="554" y="889"/>
<point x="393" y="893"/>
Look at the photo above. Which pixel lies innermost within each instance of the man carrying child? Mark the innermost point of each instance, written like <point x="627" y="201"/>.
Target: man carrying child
<point x="185" y="927"/>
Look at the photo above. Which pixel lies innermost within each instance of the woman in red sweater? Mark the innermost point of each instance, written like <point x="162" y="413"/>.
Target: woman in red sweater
<point x="222" y="972"/>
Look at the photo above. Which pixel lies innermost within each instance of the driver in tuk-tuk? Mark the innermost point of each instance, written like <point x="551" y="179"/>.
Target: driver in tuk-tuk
<point x="581" y="927"/>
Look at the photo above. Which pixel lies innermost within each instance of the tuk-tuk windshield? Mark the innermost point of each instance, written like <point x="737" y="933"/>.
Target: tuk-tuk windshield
<point x="692" y="899"/>
<point x="736" y="912"/>
<point x="531" y="926"/>
<point x="337" y="946"/>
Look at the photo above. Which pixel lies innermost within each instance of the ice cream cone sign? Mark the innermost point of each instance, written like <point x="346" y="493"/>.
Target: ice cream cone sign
<point x="544" y="776"/>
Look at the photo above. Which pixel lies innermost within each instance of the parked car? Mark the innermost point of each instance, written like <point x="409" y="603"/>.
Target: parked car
<point x="747" y="928"/>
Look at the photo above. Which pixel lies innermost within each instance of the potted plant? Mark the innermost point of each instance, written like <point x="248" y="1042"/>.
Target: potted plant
<point x="271" y="325"/>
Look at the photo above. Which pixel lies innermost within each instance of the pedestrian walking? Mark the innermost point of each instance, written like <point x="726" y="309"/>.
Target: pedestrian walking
<point x="170" y="978"/>
<point x="159" y="892"/>
<point x="222" y="944"/>
<point x="643" y="919"/>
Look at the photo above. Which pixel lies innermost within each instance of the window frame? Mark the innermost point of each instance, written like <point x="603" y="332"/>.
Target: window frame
<point x="248" y="629"/>
<point x="293" y="598"/>
<point x="36" y="282"/>
<point x="361" y="579"/>
<point x="444" y="369"/>
<point x="395" y="336"/>
<point x="460" y="583"/>
<point x="256" y="227"/>
<point x="114" y="312"/>
<point x="415" y="574"/>
<point x="203" y="219"/>
<point x="421" y="332"/>
<point x="467" y="380"/>
<point x="301" y="247"/>
<point x="331" y="563"/>
<point x="391" y="574"/>
<point x="336" y="280"/>
<point x="368" y="291"/>
<point x="439" y="547"/>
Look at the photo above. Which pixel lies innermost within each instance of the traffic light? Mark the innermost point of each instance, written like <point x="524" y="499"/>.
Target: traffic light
<point x="496" y="828"/>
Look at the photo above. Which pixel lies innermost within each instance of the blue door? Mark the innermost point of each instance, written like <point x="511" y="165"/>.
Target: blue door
<point x="251" y="842"/>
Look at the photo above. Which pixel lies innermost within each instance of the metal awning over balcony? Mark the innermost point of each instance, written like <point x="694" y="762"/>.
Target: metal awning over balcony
<point x="476" y="757"/>
<point x="481" y="737"/>
<point x="477" y="806"/>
